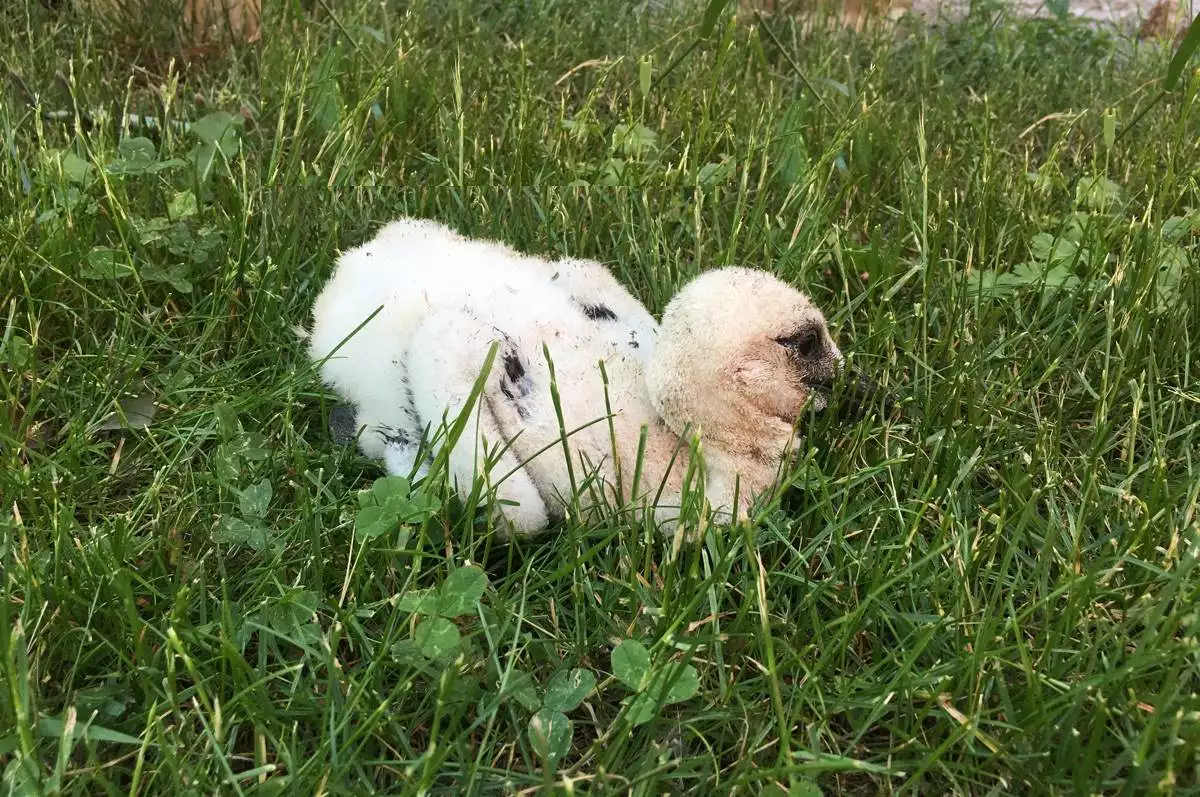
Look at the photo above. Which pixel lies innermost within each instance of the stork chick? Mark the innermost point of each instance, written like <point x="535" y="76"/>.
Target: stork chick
<point x="738" y="358"/>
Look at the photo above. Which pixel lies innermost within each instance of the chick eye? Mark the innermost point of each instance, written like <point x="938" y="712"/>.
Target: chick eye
<point x="806" y="343"/>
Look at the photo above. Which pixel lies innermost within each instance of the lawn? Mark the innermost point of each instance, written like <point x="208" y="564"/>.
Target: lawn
<point x="993" y="592"/>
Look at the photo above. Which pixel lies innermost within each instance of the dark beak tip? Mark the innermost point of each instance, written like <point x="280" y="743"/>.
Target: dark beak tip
<point x="859" y="395"/>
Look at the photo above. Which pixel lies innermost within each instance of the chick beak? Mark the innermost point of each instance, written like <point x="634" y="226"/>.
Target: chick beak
<point x="853" y="395"/>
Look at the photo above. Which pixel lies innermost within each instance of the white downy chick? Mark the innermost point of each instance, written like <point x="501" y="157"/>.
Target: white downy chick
<point x="737" y="359"/>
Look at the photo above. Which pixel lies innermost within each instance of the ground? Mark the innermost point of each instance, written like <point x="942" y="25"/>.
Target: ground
<point x="993" y="592"/>
<point x="1124" y="15"/>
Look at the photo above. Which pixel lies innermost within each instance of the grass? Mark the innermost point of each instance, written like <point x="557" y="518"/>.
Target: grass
<point x="994" y="594"/>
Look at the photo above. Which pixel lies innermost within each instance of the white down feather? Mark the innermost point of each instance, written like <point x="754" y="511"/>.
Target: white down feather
<point x="443" y="300"/>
